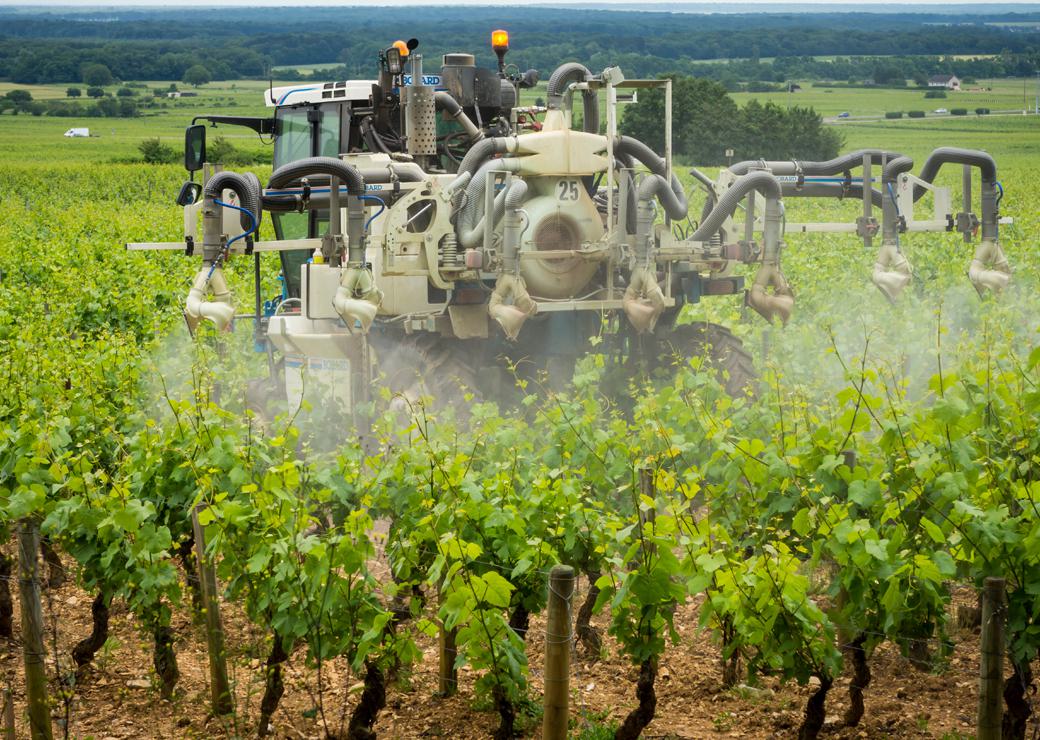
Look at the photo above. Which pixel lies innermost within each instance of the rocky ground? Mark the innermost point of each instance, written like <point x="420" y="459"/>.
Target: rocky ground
<point x="116" y="698"/>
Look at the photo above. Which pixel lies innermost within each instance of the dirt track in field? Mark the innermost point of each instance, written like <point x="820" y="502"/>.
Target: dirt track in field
<point x="113" y="698"/>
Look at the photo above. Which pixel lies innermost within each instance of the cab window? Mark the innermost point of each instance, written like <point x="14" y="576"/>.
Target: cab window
<point x="298" y="136"/>
<point x="293" y="141"/>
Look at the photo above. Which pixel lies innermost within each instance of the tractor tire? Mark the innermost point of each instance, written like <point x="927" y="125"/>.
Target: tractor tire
<point x="422" y="366"/>
<point x="725" y="354"/>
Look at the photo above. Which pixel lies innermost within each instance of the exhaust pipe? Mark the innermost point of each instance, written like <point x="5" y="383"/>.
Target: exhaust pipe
<point x="357" y="299"/>
<point x="219" y="310"/>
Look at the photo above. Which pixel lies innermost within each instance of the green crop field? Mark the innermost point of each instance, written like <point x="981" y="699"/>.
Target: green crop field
<point x="742" y="554"/>
<point x="997" y="95"/>
<point x="116" y="139"/>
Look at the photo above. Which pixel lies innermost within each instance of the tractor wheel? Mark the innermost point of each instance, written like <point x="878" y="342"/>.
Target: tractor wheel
<point x="724" y="353"/>
<point x="418" y="366"/>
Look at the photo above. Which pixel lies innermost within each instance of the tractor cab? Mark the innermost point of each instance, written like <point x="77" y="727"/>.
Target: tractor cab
<point x="317" y="120"/>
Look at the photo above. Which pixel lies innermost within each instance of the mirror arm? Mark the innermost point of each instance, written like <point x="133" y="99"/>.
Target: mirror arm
<point x="260" y="125"/>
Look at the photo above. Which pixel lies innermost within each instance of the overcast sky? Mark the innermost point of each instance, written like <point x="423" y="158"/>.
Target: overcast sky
<point x="726" y="6"/>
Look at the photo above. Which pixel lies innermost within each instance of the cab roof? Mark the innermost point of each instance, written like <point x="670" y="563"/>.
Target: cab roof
<point x="319" y="92"/>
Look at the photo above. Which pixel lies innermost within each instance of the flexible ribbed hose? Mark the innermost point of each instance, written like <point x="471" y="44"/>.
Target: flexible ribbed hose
<point x="763" y="182"/>
<point x="834" y="166"/>
<point x="655" y="186"/>
<point x="246" y="187"/>
<point x="636" y="149"/>
<point x="515" y="195"/>
<point x="561" y="78"/>
<point x="987" y="167"/>
<point x="469" y="226"/>
<point x="290" y="173"/>
<point x="953" y="155"/>
<point x="444" y="102"/>
<point x="484" y="150"/>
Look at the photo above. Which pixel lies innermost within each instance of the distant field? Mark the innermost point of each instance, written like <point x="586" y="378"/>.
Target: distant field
<point x="1002" y="95"/>
<point x="116" y="139"/>
<point x="1006" y="137"/>
<point x="39" y="92"/>
<point x="113" y="139"/>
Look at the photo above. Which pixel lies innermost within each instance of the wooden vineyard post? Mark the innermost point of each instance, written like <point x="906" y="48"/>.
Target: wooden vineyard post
<point x="558" y="653"/>
<point x="991" y="662"/>
<point x="220" y="691"/>
<point x="648" y="489"/>
<point x="8" y="715"/>
<point x="449" y="678"/>
<point x="32" y="630"/>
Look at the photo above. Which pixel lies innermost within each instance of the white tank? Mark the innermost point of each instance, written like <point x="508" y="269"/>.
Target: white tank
<point x="562" y="217"/>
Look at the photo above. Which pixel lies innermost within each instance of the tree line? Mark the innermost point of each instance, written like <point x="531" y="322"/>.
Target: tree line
<point x="889" y="70"/>
<point x="157" y="44"/>
<point x="706" y="122"/>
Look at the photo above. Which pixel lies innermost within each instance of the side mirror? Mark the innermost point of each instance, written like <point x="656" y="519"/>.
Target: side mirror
<point x="194" y="147"/>
<point x="529" y="79"/>
<point x="190" y="192"/>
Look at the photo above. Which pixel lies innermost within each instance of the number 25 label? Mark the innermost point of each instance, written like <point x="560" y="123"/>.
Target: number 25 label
<point x="568" y="190"/>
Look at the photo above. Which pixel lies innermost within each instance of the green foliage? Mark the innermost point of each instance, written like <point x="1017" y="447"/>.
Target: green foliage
<point x="932" y="94"/>
<point x="109" y="107"/>
<point x="220" y="149"/>
<point x="154" y="151"/>
<point x="758" y="510"/>
<point x="889" y="73"/>
<point x="706" y="122"/>
<point x="161" y="43"/>
<point x="704" y="119"/>
<point x="771" y="132"/>
<point x="19" y="97"/>
<point x="73" y="92"/>
<point x="196" y="76"/>
<point x="94" y="74"/>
